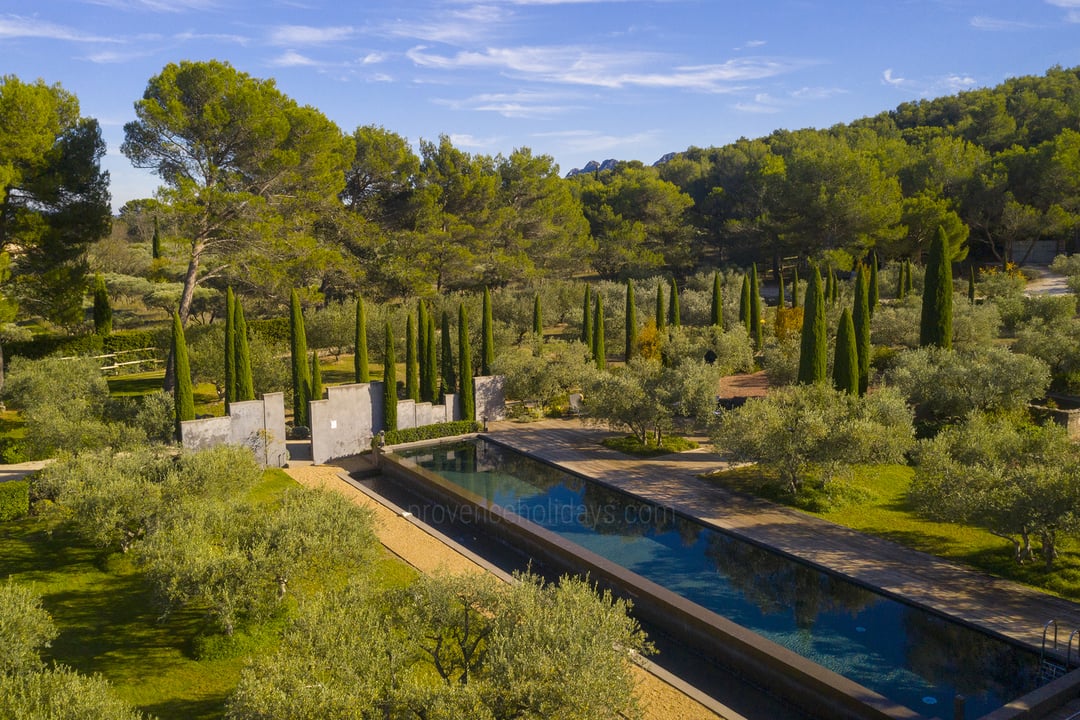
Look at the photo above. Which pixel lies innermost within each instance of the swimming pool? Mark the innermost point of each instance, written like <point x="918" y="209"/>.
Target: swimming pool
<point x="916" y="658"/>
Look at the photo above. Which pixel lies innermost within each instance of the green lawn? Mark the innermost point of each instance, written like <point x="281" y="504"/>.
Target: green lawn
<point x="108" y="623"/>
<point x="873" y="499"/>
<point x="144" y="383"/>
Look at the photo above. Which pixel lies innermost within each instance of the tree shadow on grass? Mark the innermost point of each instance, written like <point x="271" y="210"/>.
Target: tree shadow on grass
<point x="927" y="542"/>
<point x="206" y="708"/>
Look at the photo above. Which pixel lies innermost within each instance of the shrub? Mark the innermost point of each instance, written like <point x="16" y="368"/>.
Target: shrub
<point x="431" y="432"/>
<point x="14" y="499"/>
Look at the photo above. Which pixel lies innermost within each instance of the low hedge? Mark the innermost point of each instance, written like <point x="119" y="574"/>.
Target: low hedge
<point x="431" y="432"/>
<point x="81" y="345"/>
<point x="14" y="499"/>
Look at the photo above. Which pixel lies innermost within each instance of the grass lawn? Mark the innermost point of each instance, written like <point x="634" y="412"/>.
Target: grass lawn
<point x="108" y="623"/>
<point x="632" y="446"/>
<point x="873" y="499"/>
<point x="144" y="383"/>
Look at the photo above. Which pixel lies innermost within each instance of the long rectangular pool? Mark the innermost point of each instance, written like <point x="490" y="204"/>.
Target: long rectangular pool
<point x="916" y="658"/>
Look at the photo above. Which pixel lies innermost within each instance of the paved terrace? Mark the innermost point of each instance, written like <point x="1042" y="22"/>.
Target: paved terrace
<point x="991" y="603"/>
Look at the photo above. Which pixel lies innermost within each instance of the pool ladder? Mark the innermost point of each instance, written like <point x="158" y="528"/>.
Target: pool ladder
<point x="1051" y="667"/>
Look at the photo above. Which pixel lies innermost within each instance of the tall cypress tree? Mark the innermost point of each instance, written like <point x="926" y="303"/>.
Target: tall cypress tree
<point x="361" y="373"/>
<point x="421" y="349"/>
<point x="813" y="348"/>
<point x="599" y="348"/>
<point x="586" y="319"/>
<point x="429" y="384"/>
<point x="538" y="318"/>
<point x="412" y="371"/>
<point x="901" y="286"/>
<point x="845" y="363"/>
<point x="875" y="294"/>
<point x="674" y="313"/>
<point x="971" y="284"/>
<point x="245" y="382"/>
<point x="660" y="318"/>
<point x="861" y="326"/>
<point x="830" y="279"/>
<point x="780" y="294"/>
<point x="755" y="308"/>
<point x="230" y="348"/>
<point x="155" y="243"/>
<point x="487" y="346"/>
<point x="935" y="327"/>
<point x="631" y="323"/>
<point x="389" y="375"/>
<point x="465" y="375"/>
<point x="716" y="315"/>
<point x="795" y="288"/>
<point x="316" y="377"/>
<point x="909" y="286"/>
<point x="449" y="372"/>
<point x="103" y="314"/>
<point x="301" y="379"/>
<point x="185" y="392"/>
<point x="744" y="305"/>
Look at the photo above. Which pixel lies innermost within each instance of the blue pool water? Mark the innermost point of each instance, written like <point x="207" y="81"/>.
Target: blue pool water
<point x="913" y="657"/>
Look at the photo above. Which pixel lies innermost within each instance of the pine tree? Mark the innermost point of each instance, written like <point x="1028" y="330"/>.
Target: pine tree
<point x="845" y="363"/>
<point x="487" y="338"/>
<point x="935" y="327"/>
<point x="361" y="373"/>
<point x="660" y="318"/>
<point x="586" y="319"/>
<point x="185" y="391"/>
<point x="755" y="308"/>
<point x="465" y="375"/>
<point x="971" y="284"/>
<point x="674" y="312"/>
<point x="301" y="379"/>
<point x="813" y="348"/>
<point x="538" y="318"/>
<point x="155" y="243"/>
<point x="716" y="315"/>
<point x="421" y="349"/>
<point x="230" y="348"/>
<point x="316" y="377"/>
<point x="390" y="398"/>
<point x="449" y="372"/>
<point x="875" y="294"/>
<point x="631" y="323"/>
<point x="861" y="326"/>
<point x="429" y="385"/>
<point x="245" y="381"/>
<point x="103" y="314"/>
<point x="744" y="305"/>
<point x="599" y="349"/>
<point x="412" y="371"/>
<point x="795" y="288"/>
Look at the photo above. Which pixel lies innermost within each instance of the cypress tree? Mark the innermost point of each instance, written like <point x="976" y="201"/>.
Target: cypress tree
<point x="389" y="375"/>
<point x="909" y="286"/>
<point x="780" y="294"/>
<point x="185" y="392"/>
<point x="586" y="319"/>
<point x="716" y="316"/>
<point x="631" y="323"/>
<point x="465" y="375"/>
<point x="861" y="326"/>
<point x="901" y="286"/>
<point x="429" y="385"/>
<point x="795" y="288"/>
<point x="875" y="294"/>
<point x="755" y="308"/>
<point x="361" y="373"/>
<point x="830" y="281"/>
<point x="103" y="314"/>
<point x="421" y="349"/>
<point x="301" y="379"/>
<point x="487" y="347"/>
<point x="230" y="348"/>
<point x="155" y="243"/>
<point x="412" y="372"/>
<point x="316" y="377"/>
<point x="538" y="318"/>
<point x="744" y="305"/>
<point x="449" y="373"/>
<point x="674" y="313"/>
<point x="599" y="349"/>
<point x="660" y="317"/>
<point x="935" y="327"/>
<point x="845" y="363"/>
<point x="971" y="284"/>
<point x="245" y="382"/>
<point x="813" y="347"/>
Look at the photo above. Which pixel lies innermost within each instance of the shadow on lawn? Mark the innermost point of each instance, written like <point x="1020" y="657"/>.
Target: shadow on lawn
<point x="208" y="708"/>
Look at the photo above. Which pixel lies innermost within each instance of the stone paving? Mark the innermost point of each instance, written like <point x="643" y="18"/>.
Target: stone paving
<point x="994" y="604"/>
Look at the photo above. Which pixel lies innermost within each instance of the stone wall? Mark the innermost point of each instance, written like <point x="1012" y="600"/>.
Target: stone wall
<point x="257" y="424"/>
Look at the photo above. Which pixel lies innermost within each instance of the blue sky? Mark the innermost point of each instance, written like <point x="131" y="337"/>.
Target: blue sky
<point x="578" y="80"/>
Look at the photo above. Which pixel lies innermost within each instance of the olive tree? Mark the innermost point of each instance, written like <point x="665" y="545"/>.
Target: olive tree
<point x="545" y="371"/>
<point x="25" y="629"/>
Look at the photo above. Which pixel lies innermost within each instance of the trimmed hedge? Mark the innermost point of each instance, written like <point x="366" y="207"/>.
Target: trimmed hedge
<point x="431" y="432"/>
<point x="14" y="499"/>
<point x="81" y="345"/>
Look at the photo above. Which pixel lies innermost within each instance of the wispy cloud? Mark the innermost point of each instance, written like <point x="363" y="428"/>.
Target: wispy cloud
<point x="522" y="104"/>
<point x="888" y="78"/>
<point x="956" y="82"/>
<point x="166" y="6"/>
<point x="18" y="26"/>
<point x="1072" y="8"/>
<point x="981" y="22"/>
<point x="110" y="57"/>
<point x="762" y="103"/>
<point x="465" y="140"/>
<point x="464" y="26"/>
<point x="373" y="58"/>
<point x="298" y="35"/>
<point x="594" y="142"/>
<point x="212" y="37"/>
<point x="291" y="58"/>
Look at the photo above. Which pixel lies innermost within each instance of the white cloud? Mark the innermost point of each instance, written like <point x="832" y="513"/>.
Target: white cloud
<point x="292" y="58"/>
<point x="17" y="26"/>
<point x="471" y="141"/>
<point x="981" y="22"/>
<point x="1072" y="6"/>
<point x="592" y="142"/>
<point x="373" y="58"/>
<point x="110" y="57"/>
<point x="955" y="83"/>
<point x="888" y="78"/>
<point x="212" y="37"/>
<point x="522" y="104"/>
<point x="762" y="103"/>
<point x="296" y="35"/>
<point x="169" y="6"/>
<point x="817" y="93"/>
<point x="468" y="26"/>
